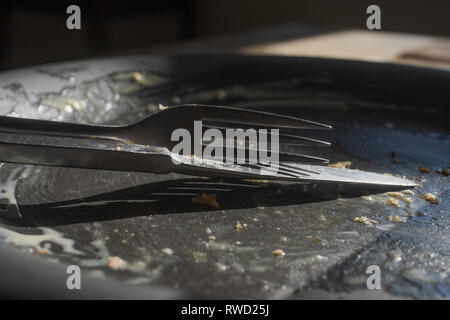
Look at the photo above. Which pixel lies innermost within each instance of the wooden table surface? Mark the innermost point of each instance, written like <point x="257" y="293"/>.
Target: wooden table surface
<point x="299" y="40"/>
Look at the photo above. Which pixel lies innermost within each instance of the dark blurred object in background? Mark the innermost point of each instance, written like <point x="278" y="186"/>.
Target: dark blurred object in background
<point x="33" y="32"/>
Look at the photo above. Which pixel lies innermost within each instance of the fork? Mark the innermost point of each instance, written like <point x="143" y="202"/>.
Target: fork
<point x="146" y="146"/>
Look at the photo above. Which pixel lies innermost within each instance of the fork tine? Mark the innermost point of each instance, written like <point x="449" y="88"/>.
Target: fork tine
<point x="211" y="167"/>
<point x="282" y="169"/>
<point x="288" y="156"/>
<point x="252" y="117"/>
<point x="292" y="166"/>
<point x="283" y="139"/>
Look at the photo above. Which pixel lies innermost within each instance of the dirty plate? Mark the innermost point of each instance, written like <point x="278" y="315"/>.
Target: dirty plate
<point x="137" y="235"/>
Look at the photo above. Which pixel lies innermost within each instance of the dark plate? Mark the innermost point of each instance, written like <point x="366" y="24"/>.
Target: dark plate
<point x="386" y="118"/>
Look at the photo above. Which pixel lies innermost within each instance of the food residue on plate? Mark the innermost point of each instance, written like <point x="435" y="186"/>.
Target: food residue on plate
<point x="341" y="164"/>
<point x="278" y="252"/>
<point x="399" y="195"/>
<point x="445" y="172"/>
<point x="317" y="240"/>
<point x="395" y="255"/>
<point x="431" y="198"/>
<point x="206" y="199"/>
<point x="365" y="220"/>
<point x="115" y="263"/>
<point x="393" y="202"/>
<point x="319" y="257"/>
<point x="397" y="219"/>
<point x="422" y="169"/>
<point x="221" y="266"/>
<point x="240" y="226"/>
<point x="137" y="77"/>
<point x="64" y="104"/>
<point x="167" y="251"/>
<point x="41" y="250"/>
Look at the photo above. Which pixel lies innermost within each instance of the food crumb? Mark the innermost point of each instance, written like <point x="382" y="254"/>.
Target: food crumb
<point x="341" y="164"/>
<point x="408" y="191"/>
<point x="206" y="199"/>
<point x="393" y="202"/>
<point x="161" y="107"/>
<point x="208" y="230"/>
<point x="398" y="195"/>
<point x="278" y="252"/>
<point x="407" y="200"/>
<point x="137" y="77"/>
<point x="394" y="255"/>
<point x="397" y="219"/>
<point x="284" y="239"/>
<point x="368" y="198"/>
<point x="422" y="169"/>
<point x="431" y="198"/>
<point x="319" y="257"/>
<point x="317" y="239"/>
<point x="221" y="267"/>
<point x="445" y="172"/>
<point x="393" y="194"/>
<point x="167" y="251"/>
<point x="364" y="220"/>
<point x="211" y="238"/>
<point x="117" y="148"/>
<point x="240" y="226"/>
<point x="41" y="250"/>
<point x="115" y="263"/>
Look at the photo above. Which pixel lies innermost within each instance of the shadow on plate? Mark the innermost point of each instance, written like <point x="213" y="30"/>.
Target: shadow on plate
<point x="175" y="197"/>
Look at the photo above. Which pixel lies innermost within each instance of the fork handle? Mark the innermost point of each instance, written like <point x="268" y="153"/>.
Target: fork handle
<point x="92" y="153"/>
<point x="56" y="128"/>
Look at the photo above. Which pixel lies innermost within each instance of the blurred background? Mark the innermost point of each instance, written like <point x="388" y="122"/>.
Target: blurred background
<point x="34" y="32"/>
